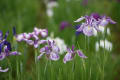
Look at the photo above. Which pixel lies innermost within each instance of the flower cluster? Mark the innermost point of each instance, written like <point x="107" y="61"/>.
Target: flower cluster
<point x="93" y="23"/>
<point x="5" y="48"/>
<point x="33" y="38"/>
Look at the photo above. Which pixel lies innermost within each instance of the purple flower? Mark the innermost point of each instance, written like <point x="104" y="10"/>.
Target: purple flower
<point x="71" y="54"/>
<point x="93" y="23"/>
<point x="33" y="38"/>
<point x="51" y="51"/>
<point x="3" y="70"/>
<point x="85" y="2"/>
<point x="5" y="47"/>
<point x="64" y="24"/>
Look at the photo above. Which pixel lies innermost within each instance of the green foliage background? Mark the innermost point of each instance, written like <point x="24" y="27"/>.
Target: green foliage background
<point x="25" y="14"/>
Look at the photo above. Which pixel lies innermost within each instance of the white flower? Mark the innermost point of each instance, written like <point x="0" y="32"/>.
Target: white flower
<point x="108" y="31"/>
<point x="104" y="44"/>
<point x="50" y="7"/>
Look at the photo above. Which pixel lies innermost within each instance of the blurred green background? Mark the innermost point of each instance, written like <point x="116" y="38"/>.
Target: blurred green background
<point x="26" y="14"/>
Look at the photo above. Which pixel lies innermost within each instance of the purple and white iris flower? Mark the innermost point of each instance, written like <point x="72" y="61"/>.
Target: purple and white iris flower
<point x="5" y="49"/>
<point x="71" y="54"/>
<point x="33" y="37"/>
<point x="93" y="23"/>
<point x="51" y="50"/>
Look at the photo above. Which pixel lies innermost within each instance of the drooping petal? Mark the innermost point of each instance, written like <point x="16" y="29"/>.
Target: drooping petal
<point x="55" y="49"/>
<point x="54" y="56"/>
<point x="42" y="50"/>
<point x="111" y="21"/>
<point x="88" y="31"/>
<point x="2" y="56"/>
<point x="14" y="53"/>
<point x="42" y="41"/>
<point x="80" y="53"/>
<point x="68" y="57"/>
<point x="30" y="42"/>
<point x="103" y="22"/>
<point x="3" y="70"/>
<point x="36" y="44"/>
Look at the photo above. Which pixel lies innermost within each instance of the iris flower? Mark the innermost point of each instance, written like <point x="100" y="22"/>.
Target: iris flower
<point x="93" y="23"/>
<point x="71" y="54"/>
<point x="5" y="49"/>
<point x="51" y="50"/>
<point x="32" y="38"/>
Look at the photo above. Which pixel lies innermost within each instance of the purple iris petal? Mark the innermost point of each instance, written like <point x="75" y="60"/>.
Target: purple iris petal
<point x="54" y="56"/>
<point x="14" y="53"/>
<point x="30" y="42"/>
<point x="36" y="44"/>
<point x="96" y="16"/>
<point x="0" y="48"/>
<point x="80" y="19"/>
<point x="68" y="57"/>
<point x="2" y="56"/>
<point x="88" y="31"/>
<point x="42" y="41"/>
<point x="44" y="33"/>
<point x="55" y="49"/>
<point x="8" y="44"/>
<point x="81" y="54"/>
<point x="73" y="47"/>
<point x="42" y="50"/>
<point x="111" y="21"/>
<point x="3" y="70"/>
